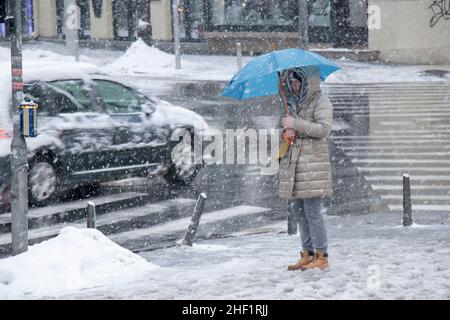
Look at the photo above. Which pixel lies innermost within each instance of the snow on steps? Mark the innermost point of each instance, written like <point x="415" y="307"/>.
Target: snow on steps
<point x="75" y="210"/>
<point x="113" y="222"/>
<point x="158" y="225"/>
<point x="219" y="223"/>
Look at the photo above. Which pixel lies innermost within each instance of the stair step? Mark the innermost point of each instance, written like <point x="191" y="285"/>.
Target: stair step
<point x="416" y="200"/>
<point x="415" y="179"/>
<point x="426" y="208"/>
<point x="402" y="156"/>
<point x="114" y="222"/>
<point x="76" y="210"/>
<point x="212" y="224"/>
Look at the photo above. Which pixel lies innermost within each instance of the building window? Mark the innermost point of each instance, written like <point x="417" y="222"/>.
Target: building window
<point x="254" y="13"/>
<point x="85" y="19"/>
<point x="358" y="13"/>
<point x="124" y="19"/>
<point x="27" y="18"/>
<point x="319" y="13"/>
<point x="191" y="19"/>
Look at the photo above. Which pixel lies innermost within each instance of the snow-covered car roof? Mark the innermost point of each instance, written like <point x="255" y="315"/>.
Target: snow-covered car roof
<point x="164" y="114"/>
<point x="42" y="72"/>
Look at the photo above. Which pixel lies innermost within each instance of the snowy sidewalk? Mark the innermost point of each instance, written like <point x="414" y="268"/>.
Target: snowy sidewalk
<point x="371" y="257"/>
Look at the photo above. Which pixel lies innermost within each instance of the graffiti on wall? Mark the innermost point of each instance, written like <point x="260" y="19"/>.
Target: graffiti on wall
<point x="441" y="10"/>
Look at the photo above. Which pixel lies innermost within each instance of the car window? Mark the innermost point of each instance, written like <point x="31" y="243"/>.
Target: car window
<point x="36" y="93"/>
<point x="72" y="94"/>
<point x="57" y="97"/>
<point x="117" y="97"/>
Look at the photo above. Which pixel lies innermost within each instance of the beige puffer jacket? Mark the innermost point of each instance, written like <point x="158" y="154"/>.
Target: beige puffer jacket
<point x="305" y="171"/>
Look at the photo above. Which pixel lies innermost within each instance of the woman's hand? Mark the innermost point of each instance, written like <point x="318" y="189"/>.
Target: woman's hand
<point x="288" y="122"/>
<point x="290" y="133"/>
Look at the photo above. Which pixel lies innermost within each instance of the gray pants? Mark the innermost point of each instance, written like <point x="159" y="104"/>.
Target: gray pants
<point x="308" y="213"/>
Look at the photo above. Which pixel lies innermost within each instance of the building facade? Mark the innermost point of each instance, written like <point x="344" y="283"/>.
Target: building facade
<point x="261" y="24"/>
<point x="408" y="31"/>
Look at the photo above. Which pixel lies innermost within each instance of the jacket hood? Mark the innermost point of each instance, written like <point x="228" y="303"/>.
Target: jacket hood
<point x="313" y="79"/>
<point x="310" y="78"/>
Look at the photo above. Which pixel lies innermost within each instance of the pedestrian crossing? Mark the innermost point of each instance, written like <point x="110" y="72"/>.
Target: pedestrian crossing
<point x="396" y="128"/>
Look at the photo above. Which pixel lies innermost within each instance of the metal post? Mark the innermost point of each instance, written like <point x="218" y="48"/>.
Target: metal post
<point x="292" y="221"/>
<point x="77" y="49"/>
<point x="91" y="216"/>
<point x="303" y="24"/>
<point x="239" y="55"/>
<point x="19" y="162"/>
<point x="72" y="23"/>
<point x="407" y="208"/>
<point x="176" y="33"/>
<point x="192" y="229"/>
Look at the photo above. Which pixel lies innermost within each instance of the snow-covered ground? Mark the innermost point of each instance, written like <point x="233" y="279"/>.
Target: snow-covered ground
<point x="371" y="257"/>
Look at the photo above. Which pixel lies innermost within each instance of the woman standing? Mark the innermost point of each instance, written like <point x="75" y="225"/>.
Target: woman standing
<point x="305" y="169"/>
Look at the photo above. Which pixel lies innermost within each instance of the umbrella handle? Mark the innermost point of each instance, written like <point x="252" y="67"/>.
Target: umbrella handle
<point x="290" y="140"/>
<point x="283" y="93"/>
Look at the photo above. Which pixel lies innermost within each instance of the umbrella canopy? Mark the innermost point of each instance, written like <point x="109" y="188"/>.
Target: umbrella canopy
<point x="260" y="76"/>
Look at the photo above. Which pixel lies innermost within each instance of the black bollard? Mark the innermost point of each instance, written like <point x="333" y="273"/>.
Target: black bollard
<point x="192" y="229"/>
<point x="407" y="208"/>
<point x="91" y="215"/>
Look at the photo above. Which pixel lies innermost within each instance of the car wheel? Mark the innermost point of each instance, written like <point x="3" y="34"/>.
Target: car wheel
<point x="180" y="172"/>
<point x="42" y="183"/>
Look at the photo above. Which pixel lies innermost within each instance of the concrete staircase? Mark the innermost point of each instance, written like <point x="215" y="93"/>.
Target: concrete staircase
<point x="130" y="220"/>
<point x="390" y="129"/>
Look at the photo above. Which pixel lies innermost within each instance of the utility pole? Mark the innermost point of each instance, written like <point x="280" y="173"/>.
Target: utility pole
<point x="176" y="33"/>
<point x="303" y="24"/>
<point x="72" y="23"/>
<point x="19" y="162"/>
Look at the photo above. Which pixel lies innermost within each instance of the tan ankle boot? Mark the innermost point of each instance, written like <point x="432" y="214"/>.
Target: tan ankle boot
<point x="304" y="260"/>
<point x="320" y="262"/>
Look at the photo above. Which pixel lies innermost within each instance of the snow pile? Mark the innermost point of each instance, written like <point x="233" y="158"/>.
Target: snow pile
<point x="140" y="58"/>
<point x="76" y="259"/>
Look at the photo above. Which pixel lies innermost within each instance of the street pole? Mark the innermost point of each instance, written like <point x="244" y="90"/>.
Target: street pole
<point x="239" y="55"/>
<point x="19" y="163"/>
<point x="176" y="33"/>
<point x="303" y="24"/>
<point x="407" y="208"/>
<point x="72" y="23"/>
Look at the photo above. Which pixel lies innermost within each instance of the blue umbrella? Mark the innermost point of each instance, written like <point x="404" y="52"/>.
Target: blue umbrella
<point x="260" y="76"/>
